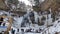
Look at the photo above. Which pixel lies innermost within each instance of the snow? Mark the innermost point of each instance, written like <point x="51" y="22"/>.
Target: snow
<point x="18" y="20"/>
<point x="53" y="29"/>
<point x="26" y="2"/>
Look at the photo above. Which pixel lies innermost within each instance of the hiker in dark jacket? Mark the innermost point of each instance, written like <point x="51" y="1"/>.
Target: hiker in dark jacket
<point x="13" y="31"/>
<point x="17" y="30"/>
<point x="32" y="18"/>
<point x="1" y="20"/>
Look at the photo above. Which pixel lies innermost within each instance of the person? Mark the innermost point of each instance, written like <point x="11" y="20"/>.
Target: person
<point x="13" y="31"/>
<point x="22" y="30"/>
<point x="17" y="30"/>
<point x="1" y="20"/>
<point x="40" y="30"/>
<point x="32" y="18"/>
<point x="3" y="24"/>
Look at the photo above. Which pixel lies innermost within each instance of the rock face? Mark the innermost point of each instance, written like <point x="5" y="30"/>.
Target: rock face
<point x="53" y="4"/>
<point x="3" y="6"/>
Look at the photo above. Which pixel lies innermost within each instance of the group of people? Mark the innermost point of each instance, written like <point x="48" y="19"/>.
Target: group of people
<point x="34" y="30"/>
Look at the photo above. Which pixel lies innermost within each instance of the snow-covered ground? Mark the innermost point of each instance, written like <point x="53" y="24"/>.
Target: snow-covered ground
<point x="33" y="28"/>
<point x="45" y="30"/>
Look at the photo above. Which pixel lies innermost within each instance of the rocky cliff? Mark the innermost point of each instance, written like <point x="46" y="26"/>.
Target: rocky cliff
<point x="3" y="6"/>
